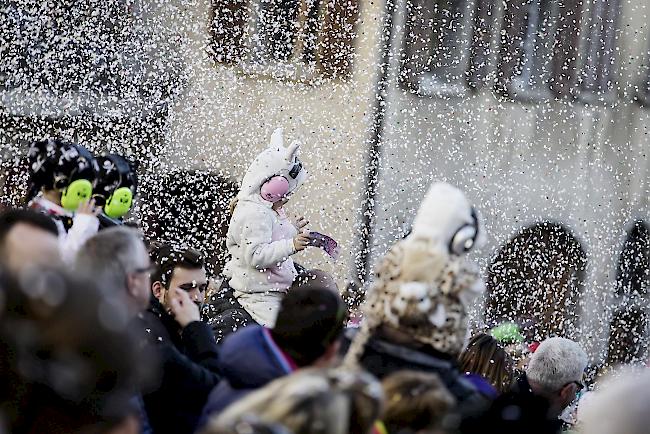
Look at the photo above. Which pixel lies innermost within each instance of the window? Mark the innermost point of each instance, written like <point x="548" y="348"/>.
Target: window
<point x="633" y="274"/>
<point x="536" y="281"/>
<point x="437" y="46"/>
<point x="628" y="336"/>
<point x="596" y="75"/>
<point x="86" y="57"/>
<point x="190" y="207"/>
<point x="293" y="39"/>
<point x="539" y="49"/>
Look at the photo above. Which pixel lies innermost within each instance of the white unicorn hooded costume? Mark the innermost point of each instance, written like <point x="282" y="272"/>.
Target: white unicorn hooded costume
<point x="260" y="240"/>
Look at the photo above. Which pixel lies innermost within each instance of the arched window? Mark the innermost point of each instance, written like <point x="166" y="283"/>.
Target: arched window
<point x="189" y="207"/>
<point x="628" y="329"/>
<point x="628" y="337"/>
<point x="536" y="281"/>
<point x="633" y="276"/>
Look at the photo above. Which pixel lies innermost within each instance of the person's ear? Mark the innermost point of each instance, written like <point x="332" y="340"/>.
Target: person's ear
<point x="158" y="290"/>
<point x="567" y="393"/>
<point x="329" y="356"/>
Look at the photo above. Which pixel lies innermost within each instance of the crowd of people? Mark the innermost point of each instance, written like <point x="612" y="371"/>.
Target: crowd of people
<point x="106" y="332"/>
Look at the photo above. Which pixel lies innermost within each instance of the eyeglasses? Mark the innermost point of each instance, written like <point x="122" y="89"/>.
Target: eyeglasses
<point x="578" y="384"/>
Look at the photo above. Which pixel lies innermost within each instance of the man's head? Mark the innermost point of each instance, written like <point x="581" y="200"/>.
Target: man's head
<point x="67" y="354"/>
<point x="555" y="372"/>
<point x="415" y="402"/>
<point x="178" y="269"/>
<point x="309" y="324"/>
<point x="27" y="238"/>
<point x="117" y="258"/>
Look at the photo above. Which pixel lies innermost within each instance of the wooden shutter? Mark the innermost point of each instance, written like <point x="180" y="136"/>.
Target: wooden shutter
<point x="336" y="42"/>
<point x="511" y="53"/>
<point x="416" y="59"/>
<point x="229" y="29"/>
<point x="481" y="43"/>
<point x="566" y="49"/>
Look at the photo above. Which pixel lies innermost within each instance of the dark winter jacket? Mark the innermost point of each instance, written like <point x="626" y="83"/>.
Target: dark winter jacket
<point x="224" y="313"/>
<point x="382" y="358"/>
<point x="482" y="385"/>
<point x="190" y="370"/>
<point x="514" y="412"/>
<point x="249" y="359"/>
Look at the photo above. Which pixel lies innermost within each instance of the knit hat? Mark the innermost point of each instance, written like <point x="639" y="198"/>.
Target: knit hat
<point x="425" y="283"/>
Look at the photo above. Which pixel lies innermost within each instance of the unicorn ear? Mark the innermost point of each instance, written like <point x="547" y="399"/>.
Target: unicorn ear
<point x="277" y="139"/>
<point x="292" y="150"/>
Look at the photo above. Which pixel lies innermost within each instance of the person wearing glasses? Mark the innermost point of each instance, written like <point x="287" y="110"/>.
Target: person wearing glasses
<point x="117" y="260"/>
<point x="551" y="382"/>
<point x="184" y="344"/>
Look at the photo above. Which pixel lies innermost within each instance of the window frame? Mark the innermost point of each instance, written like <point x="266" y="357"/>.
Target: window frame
<point x="414" y="75"/>
<point x="334" y="34"/>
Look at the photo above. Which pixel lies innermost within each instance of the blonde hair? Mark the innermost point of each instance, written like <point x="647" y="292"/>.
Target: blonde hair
<point x="311" y="401"/>
<point x="415" y="401"/>
<point x="485" y="357"/>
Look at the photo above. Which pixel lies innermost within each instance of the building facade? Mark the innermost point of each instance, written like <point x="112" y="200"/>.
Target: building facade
<point x="536" y="108"/>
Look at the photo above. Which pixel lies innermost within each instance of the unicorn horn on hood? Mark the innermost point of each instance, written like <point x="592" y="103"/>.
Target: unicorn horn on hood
<point x="277" y="139"/>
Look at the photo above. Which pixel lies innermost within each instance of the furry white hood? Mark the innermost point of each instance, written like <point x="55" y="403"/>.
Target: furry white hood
<point x="276" y="160"/>
<point x="446" y="215"/>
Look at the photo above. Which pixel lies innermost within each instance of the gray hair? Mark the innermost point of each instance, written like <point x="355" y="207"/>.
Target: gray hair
<point x="109" y="256"/>
<point x="557" y="362"/>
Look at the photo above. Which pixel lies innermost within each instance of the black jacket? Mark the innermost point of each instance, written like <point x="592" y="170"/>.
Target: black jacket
<point x="189" y="371"/>
<point x="224" y="314"/>
<point x="516" y="411"/>
<point x="382" y="358"/>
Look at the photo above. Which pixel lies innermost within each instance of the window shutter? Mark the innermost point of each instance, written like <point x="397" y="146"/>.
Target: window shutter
<point x="417" y="42"/>
<point x="512" y="41"/>
<point x="481" y="43"/>
<point x="336" y="44"/>
<point x="565" y="54"/>
<point x="228" y="30"/>
<point x="599" y="57"/>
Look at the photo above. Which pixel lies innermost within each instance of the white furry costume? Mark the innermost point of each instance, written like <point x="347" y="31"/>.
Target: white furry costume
<point x="259" y="240"/>
<point x="425" y="283"/>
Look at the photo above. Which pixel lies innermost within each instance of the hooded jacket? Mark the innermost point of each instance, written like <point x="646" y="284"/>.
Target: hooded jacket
<point x="259" y="239"/>
<point x="74" y="229"/>
<point x="249" y="359"/>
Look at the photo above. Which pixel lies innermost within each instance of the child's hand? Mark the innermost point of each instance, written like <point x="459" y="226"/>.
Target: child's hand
<point x="300" y="223"/>
<point x="89" y="208"/>
<point x="301" y="242"/>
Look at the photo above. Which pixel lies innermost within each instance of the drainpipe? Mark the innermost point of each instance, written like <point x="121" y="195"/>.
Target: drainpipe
<point x="374" y="146"/>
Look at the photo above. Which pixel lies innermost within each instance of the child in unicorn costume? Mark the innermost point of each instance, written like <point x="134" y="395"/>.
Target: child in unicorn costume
<point x="261" y="238"/>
